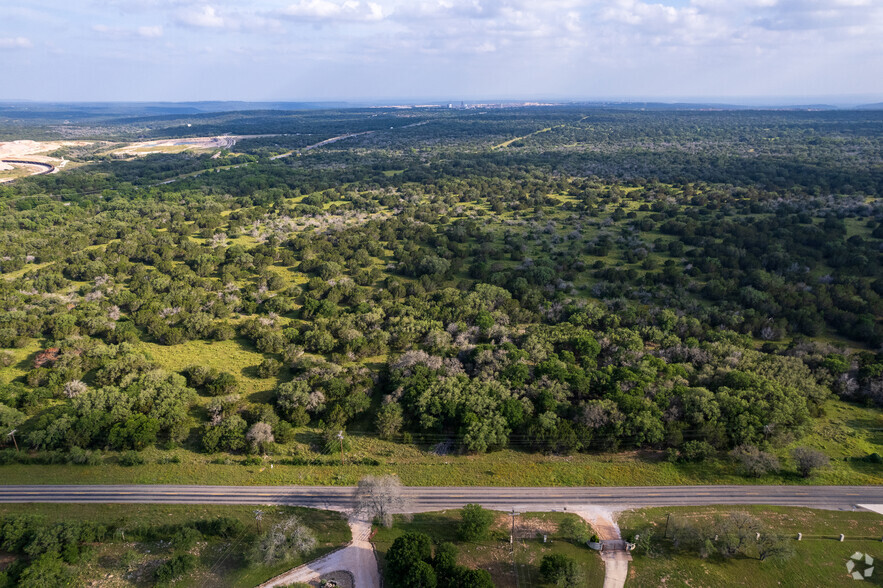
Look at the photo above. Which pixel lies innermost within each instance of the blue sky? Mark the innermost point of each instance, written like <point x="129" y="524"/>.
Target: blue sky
<point x="148" y="50"/>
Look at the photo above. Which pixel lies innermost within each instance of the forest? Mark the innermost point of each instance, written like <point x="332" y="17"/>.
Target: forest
<point x="553" y="280"/>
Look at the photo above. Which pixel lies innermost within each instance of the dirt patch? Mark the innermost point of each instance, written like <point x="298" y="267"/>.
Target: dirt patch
<point x="340" y="579"/>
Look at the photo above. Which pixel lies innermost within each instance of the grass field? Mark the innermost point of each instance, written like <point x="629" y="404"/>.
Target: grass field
<point x="509" y="566"/>
<point x="819" y="560"/>
<point x="222" y="563"/>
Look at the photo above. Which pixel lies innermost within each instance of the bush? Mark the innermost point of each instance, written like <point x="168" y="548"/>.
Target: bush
<point x="79" y="456"/>
<point x="574" y="529"/>
<point x="697" y="451"/>
<point x="220" y="527"/>
<point x="475" y="523"/>
<point x="560" y="570"/>
<point x="131" y="458"/>
<point x="175" y="568"/>
<point x="185" y="538"/>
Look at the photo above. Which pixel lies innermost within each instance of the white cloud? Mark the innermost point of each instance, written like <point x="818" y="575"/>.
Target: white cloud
<point x="150" y="32"/>
<point x="202" y="17"/>
<point x="328" y="10"/>
<point x="15" y="43"/>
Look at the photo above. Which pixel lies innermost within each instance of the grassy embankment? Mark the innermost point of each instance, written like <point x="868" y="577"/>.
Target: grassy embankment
<point x="221" y="562"/>
<point x="819" y="559"/>
<point x="508" y="567"/>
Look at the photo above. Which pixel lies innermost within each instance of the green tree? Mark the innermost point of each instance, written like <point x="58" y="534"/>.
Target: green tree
<point x="475" y="522"/>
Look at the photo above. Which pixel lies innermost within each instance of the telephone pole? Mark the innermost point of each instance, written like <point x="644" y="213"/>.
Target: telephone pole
<point x="340" y="436"/>
<point x="512" y="536"/>
<point x="258" y="517"/>
<point x="12" y="434"/>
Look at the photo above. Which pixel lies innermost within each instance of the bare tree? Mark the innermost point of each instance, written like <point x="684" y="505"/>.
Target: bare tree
<point x="259" y="436"/>
<point x="808" y="459"/>
<point x="379" y="497"/>
<point x="754" y="461"/>
<point x="74" y="388"/>
<point x="736" y="532"/>
<point x="284" y="541"/>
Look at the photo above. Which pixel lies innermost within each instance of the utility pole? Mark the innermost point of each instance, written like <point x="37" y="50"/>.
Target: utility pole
<point x="667" y="519"/>
<point x="258" y="517"/>
<point x="340" y="436"/>
<point x="512" y="536"/>
<point x="12" y="434"/>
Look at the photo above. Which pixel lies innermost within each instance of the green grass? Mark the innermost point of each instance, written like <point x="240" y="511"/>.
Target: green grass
<point x="507" y="568"/>
<point x="236" y="356"/>
<point x="22" y="363"/>
<point x="222" y="563"/>
<point x="819" y="560"/>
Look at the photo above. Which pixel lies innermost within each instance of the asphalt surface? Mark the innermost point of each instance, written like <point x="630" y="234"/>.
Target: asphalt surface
<point x="437" y="498"/>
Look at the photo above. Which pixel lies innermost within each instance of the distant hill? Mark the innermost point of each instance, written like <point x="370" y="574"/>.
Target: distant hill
<point x="874" y="106"/>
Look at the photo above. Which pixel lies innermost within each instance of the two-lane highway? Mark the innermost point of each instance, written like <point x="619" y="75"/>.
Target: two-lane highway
<point x="441" y="497"/>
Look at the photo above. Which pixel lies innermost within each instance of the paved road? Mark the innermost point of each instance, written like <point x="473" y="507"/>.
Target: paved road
<point x="437" y="498"/>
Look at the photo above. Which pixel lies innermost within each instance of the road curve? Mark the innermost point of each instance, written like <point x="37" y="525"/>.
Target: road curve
<point x="421" y="499"/>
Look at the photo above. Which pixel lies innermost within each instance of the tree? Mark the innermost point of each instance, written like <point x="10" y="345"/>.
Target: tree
<point x="283" y="541"/>
<point x="389" y="420"/>
<point x="755" y="462"/>
<point x="379" y="497"/>
<point x="269" y="368"/>
<point x="74" y="388"/>
<point x="229" y="434"/>
<point x="137" y="432"/>
<point x="222" y="385"/>
<point x="560" y="570"/>
<point x="475" y="522"/>
<point x="772" y="545"/>
<point x="736" y="533"/>
<point x="406" y="553"/>
<point x="808" y="459"/>
<point x="259" y="437"/>
<point x="46" y="570"/>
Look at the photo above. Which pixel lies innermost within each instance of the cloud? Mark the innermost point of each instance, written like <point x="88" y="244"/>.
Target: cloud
<point x="15" y="43"/>
<point x="206" y="17"/>
<point x="150" y="32"/>
<point x="328" y="10"/>
<point x="120" y="33"/>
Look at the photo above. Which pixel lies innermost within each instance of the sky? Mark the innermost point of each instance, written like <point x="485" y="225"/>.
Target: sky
<point x="441" y="50"/>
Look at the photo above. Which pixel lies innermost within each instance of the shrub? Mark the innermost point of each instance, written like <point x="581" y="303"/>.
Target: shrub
<point x="560" y="570"/>
<point x="131" y="458"/>
<point x="574" y="529"/>
<point x="697" y="451"/>
<point x="185" y="538"/>
<point x="175" y="568"/>
<point x="80" y="456"/>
